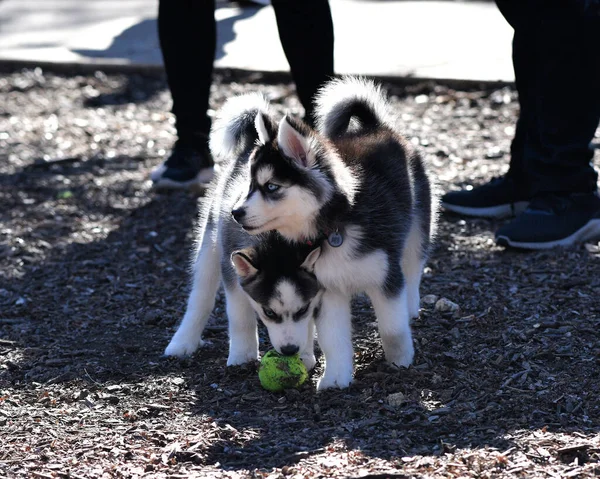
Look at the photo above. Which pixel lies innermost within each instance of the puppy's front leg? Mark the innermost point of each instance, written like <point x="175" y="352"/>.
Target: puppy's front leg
<point x="334" y="333"/>
<point x="243" y="330"/>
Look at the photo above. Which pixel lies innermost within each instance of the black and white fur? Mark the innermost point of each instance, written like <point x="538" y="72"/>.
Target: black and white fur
<point x="359" y="177"/>
<point x="262" y="275"/>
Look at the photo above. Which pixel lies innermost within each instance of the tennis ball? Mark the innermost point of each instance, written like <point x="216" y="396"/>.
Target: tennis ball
<point x="278" y="372"/>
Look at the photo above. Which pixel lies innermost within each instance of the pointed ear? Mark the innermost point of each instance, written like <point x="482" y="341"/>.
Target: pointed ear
<point x="242" y="263"/>
<point x="311" y="259"/>
<point x="260" y="123"/>
<point x="292" y="143"/>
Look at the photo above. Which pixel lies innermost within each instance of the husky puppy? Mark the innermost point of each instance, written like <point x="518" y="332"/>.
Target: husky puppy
<point x="262" y="275"/>
<point x="357" y="188"/>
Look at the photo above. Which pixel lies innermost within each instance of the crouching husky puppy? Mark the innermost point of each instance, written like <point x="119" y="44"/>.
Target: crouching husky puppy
<point x="263" y="275"/>
<point x="360" y="190"/>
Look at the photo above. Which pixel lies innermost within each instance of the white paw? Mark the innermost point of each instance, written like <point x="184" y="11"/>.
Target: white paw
<point x="403" y="358"/>
<point x="330" y="381"/>
<point x="309" y="361"/>
<point x="239" y="358"/>
<point x="182" y="347"/>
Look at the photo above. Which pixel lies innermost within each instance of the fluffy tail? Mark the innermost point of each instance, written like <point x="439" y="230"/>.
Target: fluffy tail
<point x="234" y="129"/>
<point x="342" y="99"/>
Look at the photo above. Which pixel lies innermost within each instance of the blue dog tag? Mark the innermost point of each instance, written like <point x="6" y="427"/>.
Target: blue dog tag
<point x="335" y="239"/>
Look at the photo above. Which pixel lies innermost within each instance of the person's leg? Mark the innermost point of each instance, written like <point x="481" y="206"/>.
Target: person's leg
<point x="506" y="195"/>
<point x="567" y="98"/>
<point x="557" y="156"/>
<point x="187" y="34"/>
<point x="306" y="33"/>
<point x="548" y="144"/>
<point x="523" y="67"/>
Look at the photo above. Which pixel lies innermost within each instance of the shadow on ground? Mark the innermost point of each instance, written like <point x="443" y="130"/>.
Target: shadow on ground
<point x="139" y="44"/>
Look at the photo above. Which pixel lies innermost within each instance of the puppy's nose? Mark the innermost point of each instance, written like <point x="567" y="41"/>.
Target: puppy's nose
<point x="238" y="214"/>
<point x="289" y="350"/>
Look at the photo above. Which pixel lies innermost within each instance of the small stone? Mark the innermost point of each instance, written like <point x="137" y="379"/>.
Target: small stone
<point x="494" y="153"/>
<point x="444" y="305"/>
<point x="429" y="299"/>
<point x="396" y="399"/>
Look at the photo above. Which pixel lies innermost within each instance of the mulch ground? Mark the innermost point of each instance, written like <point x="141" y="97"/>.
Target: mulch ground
<point x="94" y="278"/>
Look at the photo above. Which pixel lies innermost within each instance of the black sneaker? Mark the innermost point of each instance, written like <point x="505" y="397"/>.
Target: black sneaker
<point x="553" y="220"/>
<point x="499" y="198"/>
<point x="186" y="168"/>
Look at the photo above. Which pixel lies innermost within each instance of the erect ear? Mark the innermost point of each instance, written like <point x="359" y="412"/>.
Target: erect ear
<point x="263" y="128"/>
<point x="311" y="259"/>
<point x="242" y="262"/>
<point x="293" y="144"/>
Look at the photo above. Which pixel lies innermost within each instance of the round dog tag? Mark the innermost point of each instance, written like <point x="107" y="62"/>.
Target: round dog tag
<point x="335" y="239"/>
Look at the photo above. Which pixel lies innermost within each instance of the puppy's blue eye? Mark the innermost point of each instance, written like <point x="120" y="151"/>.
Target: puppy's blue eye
<point x="269" y="313"/>
<point x="302" y="312"/>
<point x="271" y="187"/>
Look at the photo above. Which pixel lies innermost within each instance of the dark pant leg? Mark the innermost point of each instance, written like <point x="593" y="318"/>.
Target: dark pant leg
<point x="306" y="33"/>
<point x="560" y="51"/>
<point x="187" y="33"/>
<point x="523" y="68"/>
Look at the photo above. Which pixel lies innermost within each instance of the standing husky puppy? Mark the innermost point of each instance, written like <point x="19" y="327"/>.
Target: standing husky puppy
<point x="263" y="275"/>
<point x="362" y="192"/>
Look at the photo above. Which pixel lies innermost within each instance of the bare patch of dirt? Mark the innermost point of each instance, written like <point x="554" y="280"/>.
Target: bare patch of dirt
<point x="93" y="280"/>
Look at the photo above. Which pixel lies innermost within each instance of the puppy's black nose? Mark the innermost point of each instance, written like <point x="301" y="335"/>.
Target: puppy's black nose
<point x="289" y="350"/>
<point x="238" y="214"/>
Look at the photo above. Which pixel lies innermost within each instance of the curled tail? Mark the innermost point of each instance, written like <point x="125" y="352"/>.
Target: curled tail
<point x="236" y="127"/>
<point x="342" y="99"/>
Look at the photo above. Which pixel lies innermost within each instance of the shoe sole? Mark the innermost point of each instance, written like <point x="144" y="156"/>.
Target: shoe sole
<point x="590" y="230"/>
<point x="198" y="184"/>
<point x="499" y="211"/>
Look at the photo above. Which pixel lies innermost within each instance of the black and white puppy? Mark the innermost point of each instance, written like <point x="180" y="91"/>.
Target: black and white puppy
<point x="359" y="189"/>
<point x="263" y="275"/>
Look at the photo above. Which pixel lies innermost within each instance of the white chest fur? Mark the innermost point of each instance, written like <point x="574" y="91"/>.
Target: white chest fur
<point x="343" y="269"/>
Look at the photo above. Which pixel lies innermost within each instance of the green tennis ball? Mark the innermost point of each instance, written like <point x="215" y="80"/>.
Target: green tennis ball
<point x="278" y="372"/>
